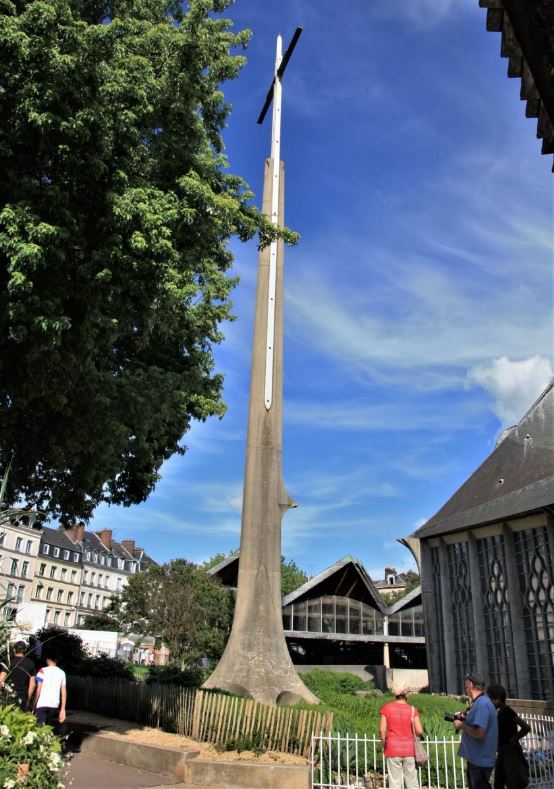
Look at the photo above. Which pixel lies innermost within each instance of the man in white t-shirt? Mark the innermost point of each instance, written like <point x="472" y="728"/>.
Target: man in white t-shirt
<point x="51" y="693"/>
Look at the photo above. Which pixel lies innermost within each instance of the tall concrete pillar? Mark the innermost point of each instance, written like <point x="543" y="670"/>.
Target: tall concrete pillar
<point x="431" y="614"/>
<point x="256" y="662"/>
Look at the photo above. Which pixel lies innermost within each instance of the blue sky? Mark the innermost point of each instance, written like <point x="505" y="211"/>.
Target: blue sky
<point x="418" y="302"/>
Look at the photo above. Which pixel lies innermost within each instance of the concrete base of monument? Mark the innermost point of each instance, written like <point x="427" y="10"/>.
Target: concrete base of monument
<point x="282" y="687"/>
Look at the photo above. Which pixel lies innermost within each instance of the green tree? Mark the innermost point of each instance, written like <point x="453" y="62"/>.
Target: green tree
<point x="103" y="620"/>
<point x="116" y="209"/>
<point x="180" y="604"/>
<point x="291" y="576"/>
<point x="412" y="581"/>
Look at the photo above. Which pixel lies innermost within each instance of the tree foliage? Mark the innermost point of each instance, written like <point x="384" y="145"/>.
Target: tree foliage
<point x="291" y="576"/>
<point x="180" y="604"/>
<point x="115" y="213"/>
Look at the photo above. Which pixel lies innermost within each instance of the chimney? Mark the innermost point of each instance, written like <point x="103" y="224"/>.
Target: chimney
<point x="129" y="546"/>
<point x="105" y="537"/>
<point x="76" y="531"/>
<point x="390" y="571"/>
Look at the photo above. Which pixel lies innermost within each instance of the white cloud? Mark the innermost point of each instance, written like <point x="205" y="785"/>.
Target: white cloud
<point x="515" y="385"/>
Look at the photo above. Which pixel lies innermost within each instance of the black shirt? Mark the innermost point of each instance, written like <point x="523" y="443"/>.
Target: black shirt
<point x="507" y="725"/>
<point x="19" y="673"/>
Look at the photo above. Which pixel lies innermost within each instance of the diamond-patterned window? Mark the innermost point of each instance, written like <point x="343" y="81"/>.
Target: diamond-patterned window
<point x="534" y="564"/>
<point x="439" y="640"/>
<point x="496" y="612"/>
<point x="462" y="611"/>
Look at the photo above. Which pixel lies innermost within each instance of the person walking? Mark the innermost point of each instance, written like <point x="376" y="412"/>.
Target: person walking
<point x="51" y="693"/>
<point x="397" y="737"/>
<point x="511" y="769"/>
<point x="19" y="673"/>
<point x="479" y="729"/>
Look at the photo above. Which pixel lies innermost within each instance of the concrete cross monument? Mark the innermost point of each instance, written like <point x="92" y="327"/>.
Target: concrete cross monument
<point x="256" y="662"/>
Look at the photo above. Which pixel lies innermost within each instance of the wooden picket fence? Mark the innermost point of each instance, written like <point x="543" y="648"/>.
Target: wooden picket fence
<point x="206" y="716"/>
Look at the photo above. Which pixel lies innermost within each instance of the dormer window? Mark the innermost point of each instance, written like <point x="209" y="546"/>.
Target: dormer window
<point x="390" y="580"/>
<point x="56" y="551"/>
<point x="45" y="548"/>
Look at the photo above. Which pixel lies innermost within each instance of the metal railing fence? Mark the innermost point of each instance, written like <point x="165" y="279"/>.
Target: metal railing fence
<point x="343" y="761"/>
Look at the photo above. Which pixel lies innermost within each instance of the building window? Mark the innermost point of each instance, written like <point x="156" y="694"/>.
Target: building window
<point x="56" y="551"/>
<point x="18" y="543"/>
<point x="438" y="642"/>
<point x="496" y="612"/>
<point x="56" y="617"/>
<point x="87" y="555"/>
<point x="69" y="598"/>
<point x="63" y="573"/>
<point x="42" y="569"/>
<point x="103" y="559"/>
<point x="90" y="600"/>
<point x="66" y="554"/>
<point x="59" y="598"/>
<point x="93" y="578"/>
<point x="81" y="620"/>
<point x="13" y="568"/>
<point x="47" y="617"/>
<point x="49" y="592"/>
<point x="97" y="601"/>
<point x="118" y="587"/>
<point x="66" y="617"/>
<point x="40" y="589"/>
<point x="75" y="557"/>
<point x="11" y="591"/>
<point x="53" y="571"/>
<point x="45" y="548"/>
<point x="534" y="563"/>
<point x="24" y="569"/>
<point x="82" y="598"/>
<point x="462" y="611"/>
<point x="20" y="593"/>
<point x="29" y="546"/>
<point x="73" y="576"/>
<point x="2" y="537"/>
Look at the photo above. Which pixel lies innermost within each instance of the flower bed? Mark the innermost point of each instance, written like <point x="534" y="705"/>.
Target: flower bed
<point x="30" y="755"/>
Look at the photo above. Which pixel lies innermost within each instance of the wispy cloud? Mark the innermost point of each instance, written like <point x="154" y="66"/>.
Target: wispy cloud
<point x="514" y="385"/>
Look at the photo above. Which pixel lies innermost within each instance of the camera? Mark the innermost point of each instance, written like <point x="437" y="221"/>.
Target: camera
<point x="448" y="716"/>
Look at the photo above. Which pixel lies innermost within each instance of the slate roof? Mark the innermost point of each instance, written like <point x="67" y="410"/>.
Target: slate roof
<point x="516" y="479"/>
<point x="346" y="578"/>
<point x="527" y="28"/>
<point x="59" y="538"/>
<point x="227" y="570"/>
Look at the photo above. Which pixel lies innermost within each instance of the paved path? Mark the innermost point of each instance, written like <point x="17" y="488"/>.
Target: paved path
<point x="89" y="772"/>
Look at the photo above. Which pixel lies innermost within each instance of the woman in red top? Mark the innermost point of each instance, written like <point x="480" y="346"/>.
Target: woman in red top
<point x="397" y="737"/>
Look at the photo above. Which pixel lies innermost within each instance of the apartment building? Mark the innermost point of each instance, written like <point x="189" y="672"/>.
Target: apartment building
<point x="20" y="532"/>
<point x="107" y="566"/>
<point x="72" y="572"/>
<point x="58" y="576"/>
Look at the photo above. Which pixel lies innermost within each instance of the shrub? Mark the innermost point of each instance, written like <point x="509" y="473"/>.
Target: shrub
<point x="106" y="667"/>
<point x="23" y="742"/>
<point x="326" y="683"/>
<point x="173" y="674"/>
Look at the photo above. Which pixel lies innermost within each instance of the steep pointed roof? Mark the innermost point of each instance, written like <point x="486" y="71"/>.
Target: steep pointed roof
<point x="345" y="578"/>
<point x="517" y="478"/>
<point x="227" y="570"/>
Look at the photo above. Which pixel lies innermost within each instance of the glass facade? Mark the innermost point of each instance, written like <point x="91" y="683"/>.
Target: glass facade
<point x="408" y="622"/>
<point x="535" y="564"/>
<point x="332" y="614"/>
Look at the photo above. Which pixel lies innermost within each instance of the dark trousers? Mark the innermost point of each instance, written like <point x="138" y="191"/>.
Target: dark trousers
<point x="511" y="768"/>
<point x="47" y="715"/>
<point x="478" y="777"/>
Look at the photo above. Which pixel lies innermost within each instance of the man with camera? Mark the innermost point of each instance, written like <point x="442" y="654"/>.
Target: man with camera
<point x="479" y="729"/>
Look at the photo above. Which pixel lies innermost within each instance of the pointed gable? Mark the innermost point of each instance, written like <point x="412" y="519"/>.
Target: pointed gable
<point x="345" y="578"/>
<point x="516" y="479"/>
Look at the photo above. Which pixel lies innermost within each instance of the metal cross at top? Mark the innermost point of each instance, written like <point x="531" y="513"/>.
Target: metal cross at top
<point x="274" y="94"/>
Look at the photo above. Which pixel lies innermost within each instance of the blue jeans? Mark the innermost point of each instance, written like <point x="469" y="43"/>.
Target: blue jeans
<point x="478" y="777"/>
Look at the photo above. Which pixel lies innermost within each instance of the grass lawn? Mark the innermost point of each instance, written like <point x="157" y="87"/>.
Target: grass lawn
<point x="360" y="715"/>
